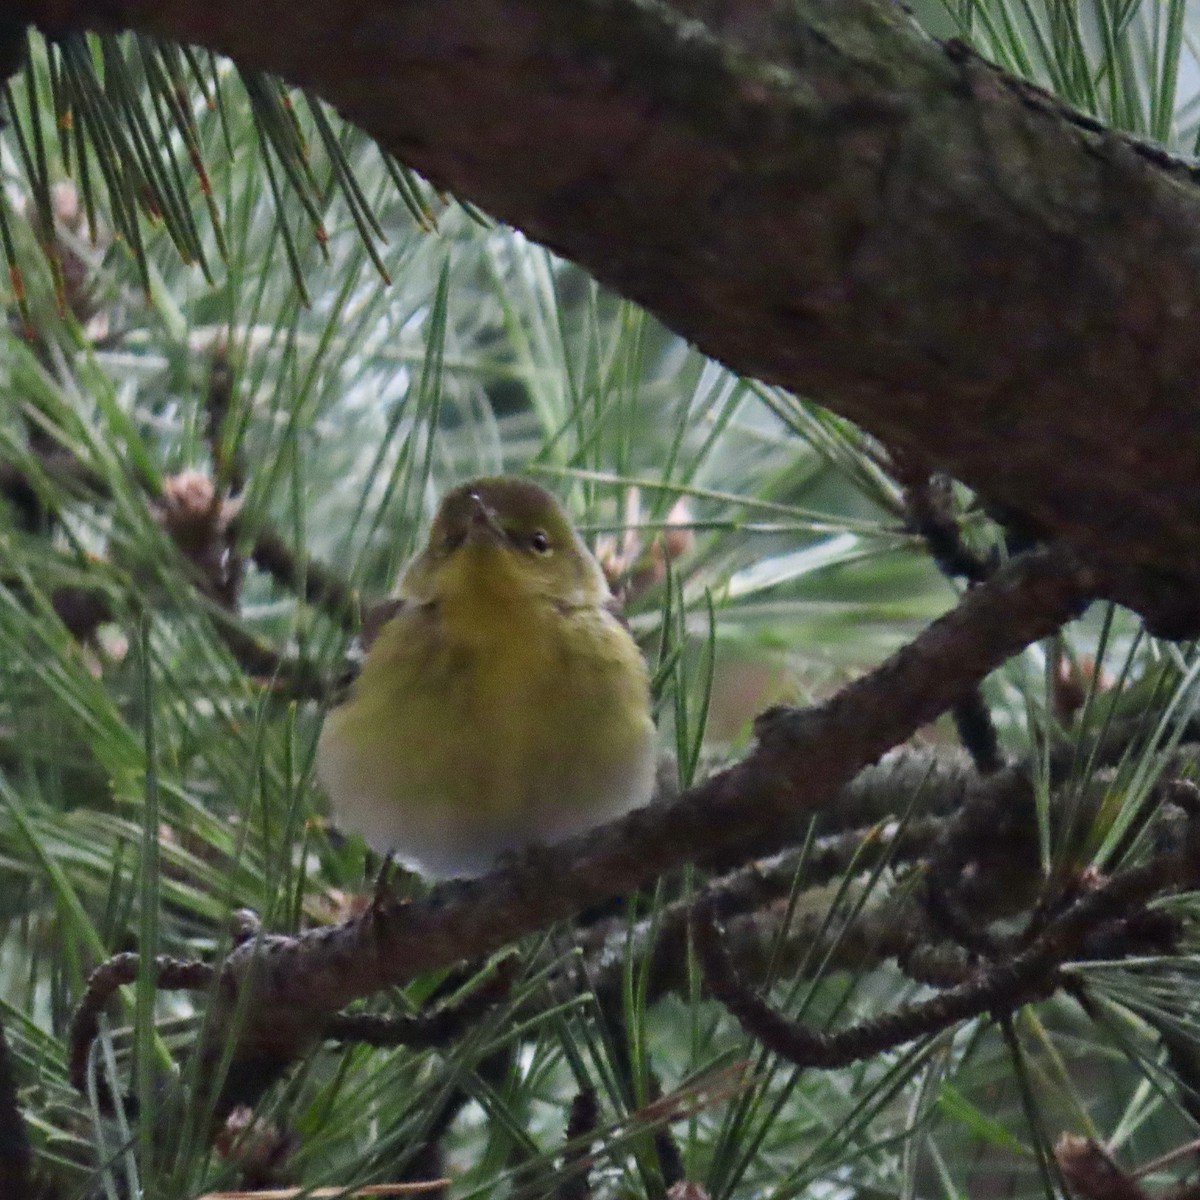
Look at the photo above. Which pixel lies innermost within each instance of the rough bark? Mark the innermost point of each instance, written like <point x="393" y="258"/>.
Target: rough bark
<point x="822" y="197"/>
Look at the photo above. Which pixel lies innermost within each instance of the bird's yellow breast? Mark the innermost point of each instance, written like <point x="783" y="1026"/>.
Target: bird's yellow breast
<point x="484" y="720"/>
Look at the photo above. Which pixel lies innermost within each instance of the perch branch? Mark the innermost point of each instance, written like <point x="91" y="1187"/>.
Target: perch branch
<point x="802" y="761"/>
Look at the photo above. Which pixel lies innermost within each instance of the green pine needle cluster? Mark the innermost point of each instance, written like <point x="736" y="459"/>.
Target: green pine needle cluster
<point x="246" y="353"/>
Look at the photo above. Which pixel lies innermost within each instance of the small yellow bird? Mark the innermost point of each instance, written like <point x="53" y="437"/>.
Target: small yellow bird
<point x="503" y="704"/>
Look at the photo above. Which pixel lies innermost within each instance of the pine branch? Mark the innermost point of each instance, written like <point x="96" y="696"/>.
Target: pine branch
<point x="801" y="762"/>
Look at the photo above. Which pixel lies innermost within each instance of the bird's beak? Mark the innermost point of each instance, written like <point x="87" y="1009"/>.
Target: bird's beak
<point x="470" y="520"/>
<point x="481" y="523"/>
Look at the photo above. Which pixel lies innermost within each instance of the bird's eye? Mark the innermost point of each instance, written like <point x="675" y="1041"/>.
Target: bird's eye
<point x="539" y="542"/>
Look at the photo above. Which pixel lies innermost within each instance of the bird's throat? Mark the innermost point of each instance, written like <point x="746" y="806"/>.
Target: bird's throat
<point x="482" y="599"/>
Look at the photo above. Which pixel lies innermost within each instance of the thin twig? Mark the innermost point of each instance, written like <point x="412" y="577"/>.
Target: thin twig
<point x="998" y="988"/>
<point x="420" y="1188"/>
<point x="437" y="1028"/>
<point x="170" y="973"/>
<point x="575" y="1183"/>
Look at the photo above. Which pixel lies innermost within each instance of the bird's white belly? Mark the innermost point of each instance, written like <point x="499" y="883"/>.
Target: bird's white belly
<point x="446" y="775"/>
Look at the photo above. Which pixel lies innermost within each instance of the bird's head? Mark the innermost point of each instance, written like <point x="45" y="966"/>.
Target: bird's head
<point x="504" y="538"/>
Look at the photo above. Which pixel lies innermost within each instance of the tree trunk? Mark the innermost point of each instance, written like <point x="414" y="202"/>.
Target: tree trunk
<point x="819" y="195"/>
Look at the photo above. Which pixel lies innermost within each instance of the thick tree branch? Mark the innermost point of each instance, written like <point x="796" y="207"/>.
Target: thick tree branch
<point x="821" y="196"/>
<point x="802" y="761"/>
